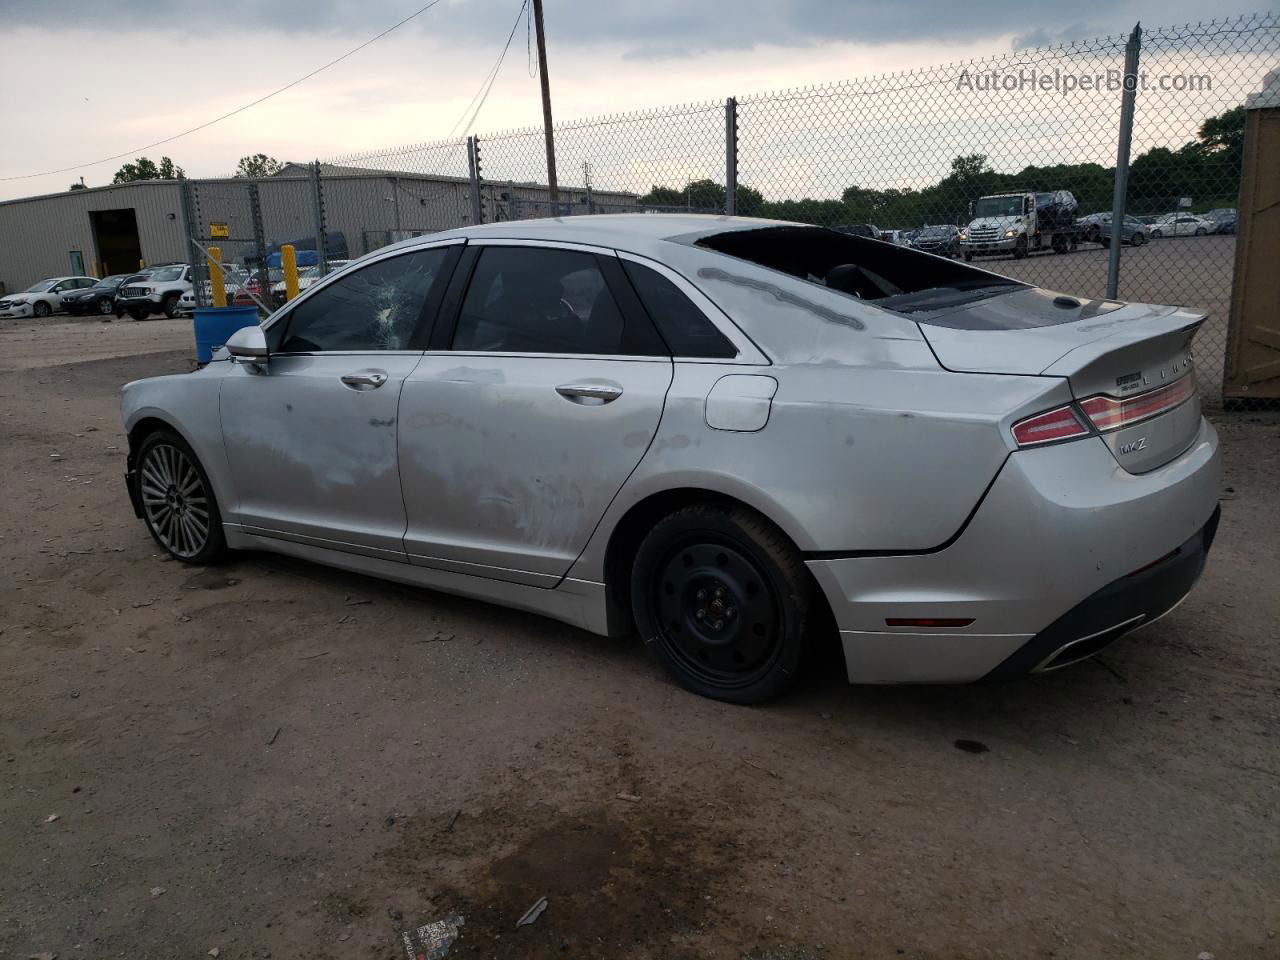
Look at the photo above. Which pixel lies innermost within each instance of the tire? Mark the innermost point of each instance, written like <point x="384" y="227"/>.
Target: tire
<point x="1156" y="234"/>
<point x="1200" y="231"/>
<point x="105" y="307"/>
<point x="1020" y="248"/>
<point x="722" y="600"/>
<point x="137" y="314"/>
<point x="968" y="258"/>
<point x="1138" y="239"/>
<point x="40" y="309"/>
<point x="178" y="504"/>
<point x="169" y="305"/>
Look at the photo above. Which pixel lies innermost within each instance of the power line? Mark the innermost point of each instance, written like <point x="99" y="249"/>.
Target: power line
<point x="254" y="103"/>
<point x="487" y="83"/>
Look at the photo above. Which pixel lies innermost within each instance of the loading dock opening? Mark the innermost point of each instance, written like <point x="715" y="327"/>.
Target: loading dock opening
<point x="115" y="237"/>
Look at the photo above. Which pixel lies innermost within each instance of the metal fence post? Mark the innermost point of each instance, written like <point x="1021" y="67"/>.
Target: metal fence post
<point x="731" y="157"/>
<point x="190" y="226"/>
<point x="259" y="241"/>
<point x="317" y="202"/>
<point x="473" y="164"/>
<point x="1127" y="97"/>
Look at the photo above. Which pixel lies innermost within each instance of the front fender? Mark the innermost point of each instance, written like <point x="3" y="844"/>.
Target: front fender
<point x="187" y="404"/>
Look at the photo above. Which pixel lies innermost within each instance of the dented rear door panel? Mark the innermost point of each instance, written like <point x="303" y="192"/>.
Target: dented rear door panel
<point x="506" y="477"/>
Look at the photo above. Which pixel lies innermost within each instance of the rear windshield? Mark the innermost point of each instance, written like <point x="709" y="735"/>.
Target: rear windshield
<point x="890" y="276"/>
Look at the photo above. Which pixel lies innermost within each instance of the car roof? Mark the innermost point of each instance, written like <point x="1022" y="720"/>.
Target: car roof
<point x="642" y="233"/>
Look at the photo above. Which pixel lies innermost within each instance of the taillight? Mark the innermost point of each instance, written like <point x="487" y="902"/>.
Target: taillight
<point x="1108" y="413"/>
<point x="1052" y="425"/>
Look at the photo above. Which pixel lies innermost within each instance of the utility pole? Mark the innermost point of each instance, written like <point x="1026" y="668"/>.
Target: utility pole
<point x="553" y="187"/>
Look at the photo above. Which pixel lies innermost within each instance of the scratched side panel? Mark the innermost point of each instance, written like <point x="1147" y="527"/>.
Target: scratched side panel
<point x="851" y="458"/>
<point x="312" y="457"/>
<point x="504" y="477"/>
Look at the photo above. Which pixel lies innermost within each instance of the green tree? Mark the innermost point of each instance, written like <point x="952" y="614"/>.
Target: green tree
<point x="703" y="196"/>
<point x="145" y="168"/>
<point x="258" y="165"/>
<point x="1225" y="132"/>
<point x="970" y="168"/>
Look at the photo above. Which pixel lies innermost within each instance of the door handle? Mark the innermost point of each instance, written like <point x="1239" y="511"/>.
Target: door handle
<point x="364" y="381"/>
<point x="588" y="392"/>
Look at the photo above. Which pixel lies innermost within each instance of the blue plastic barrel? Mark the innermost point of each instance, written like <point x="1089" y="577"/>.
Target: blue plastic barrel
<point x="215" y="325"/>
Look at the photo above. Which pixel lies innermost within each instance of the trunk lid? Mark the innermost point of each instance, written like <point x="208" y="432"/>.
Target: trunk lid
<point x="1101" y="347"/>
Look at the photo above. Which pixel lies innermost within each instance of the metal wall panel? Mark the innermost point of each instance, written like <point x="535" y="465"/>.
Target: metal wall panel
<point x="38" y="234"/>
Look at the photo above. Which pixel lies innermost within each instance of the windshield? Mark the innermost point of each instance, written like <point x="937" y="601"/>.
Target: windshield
<point x="167" y="274"/>
<point x="998" y="207"/>
<point x="40" y="287"/>
<point x="935" y="232"/>
<point x="110" y="281"/>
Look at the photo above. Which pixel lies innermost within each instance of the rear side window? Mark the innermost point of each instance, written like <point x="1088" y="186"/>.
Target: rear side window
<point x="893" y="277"/>
<point x="378" y="307"/>
<point x="543" y="300"/>
<point x="683" y="326"/>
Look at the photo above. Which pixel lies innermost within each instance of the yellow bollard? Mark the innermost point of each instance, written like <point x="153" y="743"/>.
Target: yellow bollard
<point x="216" y="281"/>
<point x="289" y="260"/>
<point x="142" y="264"/>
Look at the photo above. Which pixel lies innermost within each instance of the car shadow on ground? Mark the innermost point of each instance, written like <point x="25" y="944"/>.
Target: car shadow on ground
<point x="1058" y="707"/>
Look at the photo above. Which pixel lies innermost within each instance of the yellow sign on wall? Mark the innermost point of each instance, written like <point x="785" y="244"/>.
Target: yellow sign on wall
<point x="219" y="231"/>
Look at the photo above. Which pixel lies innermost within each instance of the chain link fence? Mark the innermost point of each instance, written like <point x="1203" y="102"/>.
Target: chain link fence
<point x="1011" y="162"/>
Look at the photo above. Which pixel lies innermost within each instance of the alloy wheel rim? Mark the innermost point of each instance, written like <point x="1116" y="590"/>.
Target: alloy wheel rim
<point x="175" y="500"/>
<point x="718" y="613"/>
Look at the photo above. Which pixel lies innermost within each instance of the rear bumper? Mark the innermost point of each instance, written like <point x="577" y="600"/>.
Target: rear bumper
<point x="1059" y="525"/>
<point x="1134" y="601"/>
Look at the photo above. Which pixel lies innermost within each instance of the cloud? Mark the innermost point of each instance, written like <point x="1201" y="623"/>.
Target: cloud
<point x="654" y="29"/>
<point x="1051" y="37"/>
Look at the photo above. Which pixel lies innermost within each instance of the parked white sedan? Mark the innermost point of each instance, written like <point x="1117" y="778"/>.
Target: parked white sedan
<point x="1182" y="225"/>
<point x="43" y="298"/>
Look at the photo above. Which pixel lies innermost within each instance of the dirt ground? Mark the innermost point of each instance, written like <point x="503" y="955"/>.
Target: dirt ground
<point x="273" y="759"/>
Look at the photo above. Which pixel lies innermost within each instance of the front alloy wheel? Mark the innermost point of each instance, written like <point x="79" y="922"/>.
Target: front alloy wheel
<point x="177" y="500"/>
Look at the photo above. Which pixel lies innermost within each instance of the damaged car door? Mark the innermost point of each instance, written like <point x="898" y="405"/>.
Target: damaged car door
<point x="539" y="397"/>
<point x="310" y="434"/>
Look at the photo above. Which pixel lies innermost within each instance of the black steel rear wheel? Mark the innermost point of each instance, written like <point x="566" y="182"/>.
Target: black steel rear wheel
<point x="721" y="598"/>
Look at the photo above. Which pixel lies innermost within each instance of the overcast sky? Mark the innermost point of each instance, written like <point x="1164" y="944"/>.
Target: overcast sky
<point x="82" y="81"/>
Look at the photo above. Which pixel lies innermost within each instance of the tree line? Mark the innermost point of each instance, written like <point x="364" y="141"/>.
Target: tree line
<point x="1206" y="169"/>
<point x="144" y="168"/>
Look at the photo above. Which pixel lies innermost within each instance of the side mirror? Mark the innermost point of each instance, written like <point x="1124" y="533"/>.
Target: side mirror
<point x="249" y="344"/>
